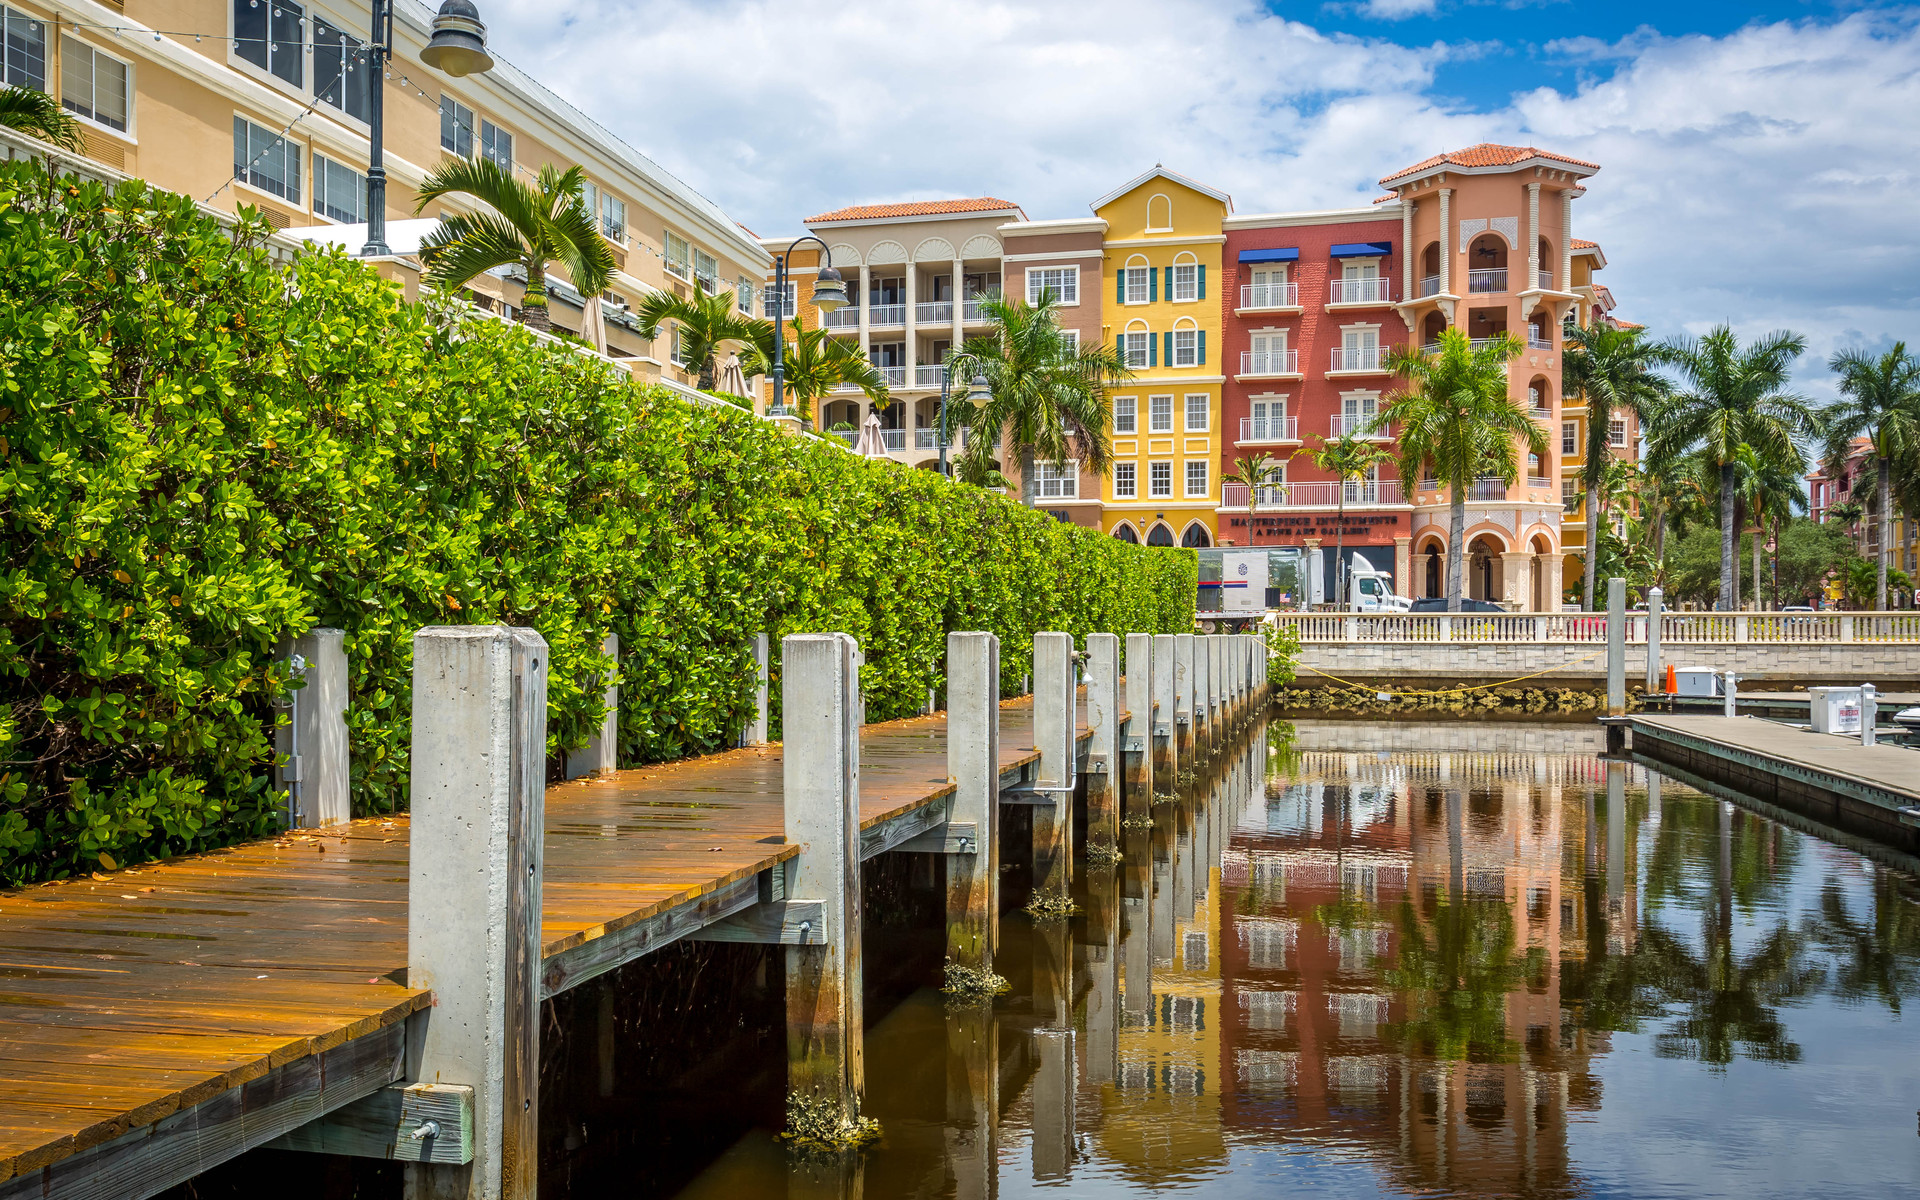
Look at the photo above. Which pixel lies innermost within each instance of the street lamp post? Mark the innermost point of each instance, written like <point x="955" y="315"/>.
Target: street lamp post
<point x="458" y="47"/>
<point x="829" y="295"/>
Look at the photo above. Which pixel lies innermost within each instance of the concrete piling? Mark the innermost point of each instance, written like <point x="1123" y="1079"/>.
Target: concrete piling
<point x="1053" y="735"/>
<point x="1183" y="697"/>
<point x="1655" y="672"/>
<point x="1616" y="647"/>
<point x="1137" y="795"/>
<point x="473" y="901"/>
<point x="312" y="743"/>
<point x="1165" y="745"/>
<point x="820" y="698"/>
<point x="757" y="732"/>
<point x="973" y="762"/>
<point x="599" y="755"/>
<point x="1103" y="748"/>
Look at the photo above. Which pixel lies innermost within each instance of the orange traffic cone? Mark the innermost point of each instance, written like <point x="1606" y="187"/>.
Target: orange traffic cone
<point x="1672" y="683"/>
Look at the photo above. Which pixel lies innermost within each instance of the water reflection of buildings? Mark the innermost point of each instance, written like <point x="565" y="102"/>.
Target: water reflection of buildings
<point x="1392" y="945"/>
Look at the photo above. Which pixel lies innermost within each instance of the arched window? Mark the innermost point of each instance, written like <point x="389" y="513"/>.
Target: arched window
<point x="1187" y="280"/>
<point x="1160" y="535"/>
<point x="1159" y="214"/>
<point x="1125" y="533"/>
<point x="1187" y="344"/>
<point x="1138" y="282"/>
<point x="1137" y="344"/>
<point x="1196" y="537"/>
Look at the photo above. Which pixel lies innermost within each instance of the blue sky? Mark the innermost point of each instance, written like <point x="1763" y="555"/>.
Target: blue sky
<point x="1760" y="162"/>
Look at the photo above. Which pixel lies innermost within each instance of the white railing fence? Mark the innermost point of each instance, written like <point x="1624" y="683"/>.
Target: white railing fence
<point x="1590" y="629"/>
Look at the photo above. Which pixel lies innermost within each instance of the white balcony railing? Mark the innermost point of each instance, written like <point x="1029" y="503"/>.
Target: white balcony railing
<point x="1827" y="628"/>
<point x="935" y="312"/>
<point x="841" y="318"/>
<point x="1367" y="358"/>
<point x="1270" y="362"/>
<point x="1536" y="342"/>
<point x="895" y="376"/>
<point x="1314" y="495"/>
<point x="1487" y="489"/>
<point x="1540" y="414"/>
<point x="1269" y="429"/>
<point x="1538" y="481"/>
<point x="929" y="376"/>
<point x="1359" y="291"/>
<point x="1429" y="285"/>
<point x="895" y="440"/>
<point x="1546" y="279"/>
<point x="1269" y="295"/>
<point x="1493" y="279"/>
<point x="973" y="312"/>
<point x="1343" y="425"/>
<point x="881" y="316"/>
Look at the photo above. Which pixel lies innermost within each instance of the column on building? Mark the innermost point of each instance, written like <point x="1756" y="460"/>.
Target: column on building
<point x="1516" y="578"/>
<point x="959" y="299"/>
<point x="865" y="314"/>
<point x="1403" y="563"/>
<point x="1446" y="241"/>
<point x="1407" y="292"/>
<point x="1566" y="239"/>
<point x="913" y="338"/>
<point x="1533" y="236"/>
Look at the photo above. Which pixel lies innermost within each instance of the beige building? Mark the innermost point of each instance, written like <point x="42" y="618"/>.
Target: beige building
<point x="265" y="103"/>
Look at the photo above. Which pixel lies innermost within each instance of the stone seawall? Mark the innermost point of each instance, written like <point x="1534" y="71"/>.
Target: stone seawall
<point x="1888" y="666"/>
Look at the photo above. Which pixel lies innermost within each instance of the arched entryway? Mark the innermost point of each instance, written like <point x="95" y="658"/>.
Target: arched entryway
<point x="1487" y="264"/>
<point x="1430" y="269"/>
<point x="1196" y="537"/>
<point x="1483" y="568"/>
<point x="1431" y="568"/>
<point x="1431" y="328"/>
<point x="1160" y="535"/>
<point x="1546" y="596"/>
<point x="1125" y="533"/>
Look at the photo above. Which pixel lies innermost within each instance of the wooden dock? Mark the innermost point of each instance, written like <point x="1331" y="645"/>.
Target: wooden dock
<point x="1873" y="791"/>
<point x="225" y="988"/>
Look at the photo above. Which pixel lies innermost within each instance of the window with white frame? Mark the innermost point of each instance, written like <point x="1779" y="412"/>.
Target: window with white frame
<point x="1197" y="477"/>
<point x="1569" y="437"/>
<point x="1617" y="432"/>
<point x="1126" y="414"/>
<point x="1267" y="354"/>
<point x="1357" y="412"/>
<point x="1197" y="412"/>
<point x="1063" y="282"/>
<point x="1569" y="494"/>
<point x="268" y="35"/>
<point x="706" y="270"/>
<point x="1269" y="420"/>
<point x="1057" y="480"/>
<point x="1159" y="414"/>
<point x="339" y="191"/>
<point x="1138" y="279"/>
<point x="1186" y="347"/>
<point x="1159" y="479"/>
<point x="1072" y="339"/>
<point x="1275" y="492"/>
<point x="679" y="256"/>
<point x="787" y="304"/>
<point x="1125" y="485"/>
<point x="456" y="127"/>
<point x="264" y="159"/>
<point x="342" y="77"/>
<point x="496" y="145"/>
<point x="92" y="84"/>
<point x="1137" y="345"/>
<point x="743" y="296"/>
<point x="613" y="218"/>
<point x="1186" y="281"/>
<point x="24" y="64"/>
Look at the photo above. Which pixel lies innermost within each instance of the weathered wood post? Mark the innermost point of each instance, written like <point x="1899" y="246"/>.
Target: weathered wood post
<point x="312" y="744"/>
<point x="473" y="897"/>
<point x="1138" y="795"/>
<point x="1165" y="741"/>
<point x="1053" y="730"/>
<point x="820" y="700"/>
<point x="600" y="755"/>
<point x="757" y="730"/>
<point x="1183" y="696"/>
<point x="1103" y="749"/>
<point x="973" y="762"/>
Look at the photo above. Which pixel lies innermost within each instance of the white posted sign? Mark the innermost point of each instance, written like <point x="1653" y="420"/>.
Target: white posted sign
<point x="1243" y="581"/>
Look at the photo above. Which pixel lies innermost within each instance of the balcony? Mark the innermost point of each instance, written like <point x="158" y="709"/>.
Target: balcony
<point x="973" y="312"/>
<point x="1269" y="429"/>
<point x="1541" y="414"/>
<point x="1493" y="279"/>
<point x="1360" y="291"/>
<point x="1538" y="481"/>
<point x="929" y="439"/>
<point x="1269" y="295"/>
<point x="1487" y="489"/>
<point x="895" y="440"/>
<point x="1537" y="341"/>
<point x="886" y="316"/>
<point x="937" y="312"/>
<point x="841" y="318"/>
<point x="1354" y="425"/>
<point x="1429" y="285"/>
<point x="1271" y="362"/>
<point x="929" y="376"/>
<point x="1367" y="358"/>
<point x="895" y="376"/>
<point x="1315" y="495"/>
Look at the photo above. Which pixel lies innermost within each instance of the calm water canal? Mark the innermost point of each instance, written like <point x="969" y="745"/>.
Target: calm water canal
<point x="1432" y="960"/>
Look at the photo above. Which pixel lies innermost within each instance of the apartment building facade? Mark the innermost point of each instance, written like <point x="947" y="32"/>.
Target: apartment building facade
<point x="265" y="103"/>
<point x="1857" y="481"/>
<point x="1596" y="304"/>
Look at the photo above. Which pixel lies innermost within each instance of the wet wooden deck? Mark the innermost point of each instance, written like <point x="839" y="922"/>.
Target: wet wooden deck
<point x="127" y="1000"/>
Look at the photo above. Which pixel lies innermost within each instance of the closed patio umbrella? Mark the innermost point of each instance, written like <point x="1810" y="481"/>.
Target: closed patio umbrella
<point x="732" y="378"/>
<point x="593" y="325"/>
<point x="870" y="444"/>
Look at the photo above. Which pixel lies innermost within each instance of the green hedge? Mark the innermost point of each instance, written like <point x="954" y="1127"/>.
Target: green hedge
<point x="202" y="455"/>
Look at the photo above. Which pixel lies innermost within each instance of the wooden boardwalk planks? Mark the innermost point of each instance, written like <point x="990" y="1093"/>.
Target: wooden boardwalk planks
<point x="126" y="999"/>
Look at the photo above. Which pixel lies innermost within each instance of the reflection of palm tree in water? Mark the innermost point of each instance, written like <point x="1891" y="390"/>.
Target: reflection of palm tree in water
<point x="1877" y="961"/>
<point x="1454" y="973"/>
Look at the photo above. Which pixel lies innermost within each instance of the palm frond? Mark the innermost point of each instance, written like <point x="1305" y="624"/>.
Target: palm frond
<point x="464" y="246"/>
<point x="37" y="114"/>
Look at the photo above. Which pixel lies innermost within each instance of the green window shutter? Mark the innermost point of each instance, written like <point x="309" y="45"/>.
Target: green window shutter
<point x="1202" y="273"/>
<point x="1169" y="338"/>
<point x="1202" y="340"/>
<point x="1153" y="285"/>
<point x="1120" y="286"/>
<point x="1153" y="351"/>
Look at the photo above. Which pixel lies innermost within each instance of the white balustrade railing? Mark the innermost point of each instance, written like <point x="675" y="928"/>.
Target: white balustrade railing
<point x="1269" y="429"/>
<point x="895" y="376"/>
<point x="1342" y="425"/>
<point x="1322" y="494"/>
<point x="1269" y="295"/>
<point x="929" y="376"/>
<point x="1368" y="358"/>
<point x="1270" y="362"/>
<point x="841" y="318"/>
<point x="935" y="312"/>
<point x="1359" y="291"/>
<point x="895" y="440"/>
<point x="1493" y="279"/>
<point x="886" y="315"/>
<point x="1429" y="285"/>
<point x="1590" y="629"/>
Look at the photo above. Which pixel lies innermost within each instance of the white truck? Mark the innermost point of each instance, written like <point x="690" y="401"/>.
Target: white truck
<point x="1371" y="590"/>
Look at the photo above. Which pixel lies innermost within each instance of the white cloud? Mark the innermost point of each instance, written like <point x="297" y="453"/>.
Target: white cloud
<point x="1764" y="178"/>
<point x="1395" y="10"/>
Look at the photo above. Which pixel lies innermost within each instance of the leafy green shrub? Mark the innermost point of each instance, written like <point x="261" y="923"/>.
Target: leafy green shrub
<point x="202" y="455"/>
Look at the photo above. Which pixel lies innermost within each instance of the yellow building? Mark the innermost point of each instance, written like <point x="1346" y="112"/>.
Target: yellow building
<point x="1159" y="289"/>
<point x="1623" y="432"/>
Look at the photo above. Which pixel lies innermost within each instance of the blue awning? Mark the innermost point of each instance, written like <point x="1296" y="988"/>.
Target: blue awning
<point x="1362" y="249"/>
<point x="1290" y="254"/>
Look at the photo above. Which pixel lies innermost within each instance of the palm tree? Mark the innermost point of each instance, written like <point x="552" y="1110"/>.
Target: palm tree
<point x="974" y="467"/>
<point x="1347" y="458"/>
<point x="1731" y="394"/>
<point x="707" y="321"/>
<point x="1880" y="400"/>
<point x="1049" y="395"/>
<point x="1770" y="490"/>
<point x="813" y="363"/>
<point x="532" y="225"/>
<point x="1255" y="471"/>
<point x="1457" y="420"/>
<point x="1612" y="369"/>
<point x="37" y="114"/>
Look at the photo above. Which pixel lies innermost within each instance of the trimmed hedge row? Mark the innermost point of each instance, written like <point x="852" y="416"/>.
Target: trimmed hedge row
<point x="202" y="455"/>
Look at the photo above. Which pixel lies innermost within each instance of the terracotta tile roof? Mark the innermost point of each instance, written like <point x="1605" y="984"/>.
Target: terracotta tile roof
<point x="922" y="208"/>
<point x="1584" y="244"/>
<point x="1486" y="154"/>
<point x="1387" y="197"/>
<point x="1629" y="325"/>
